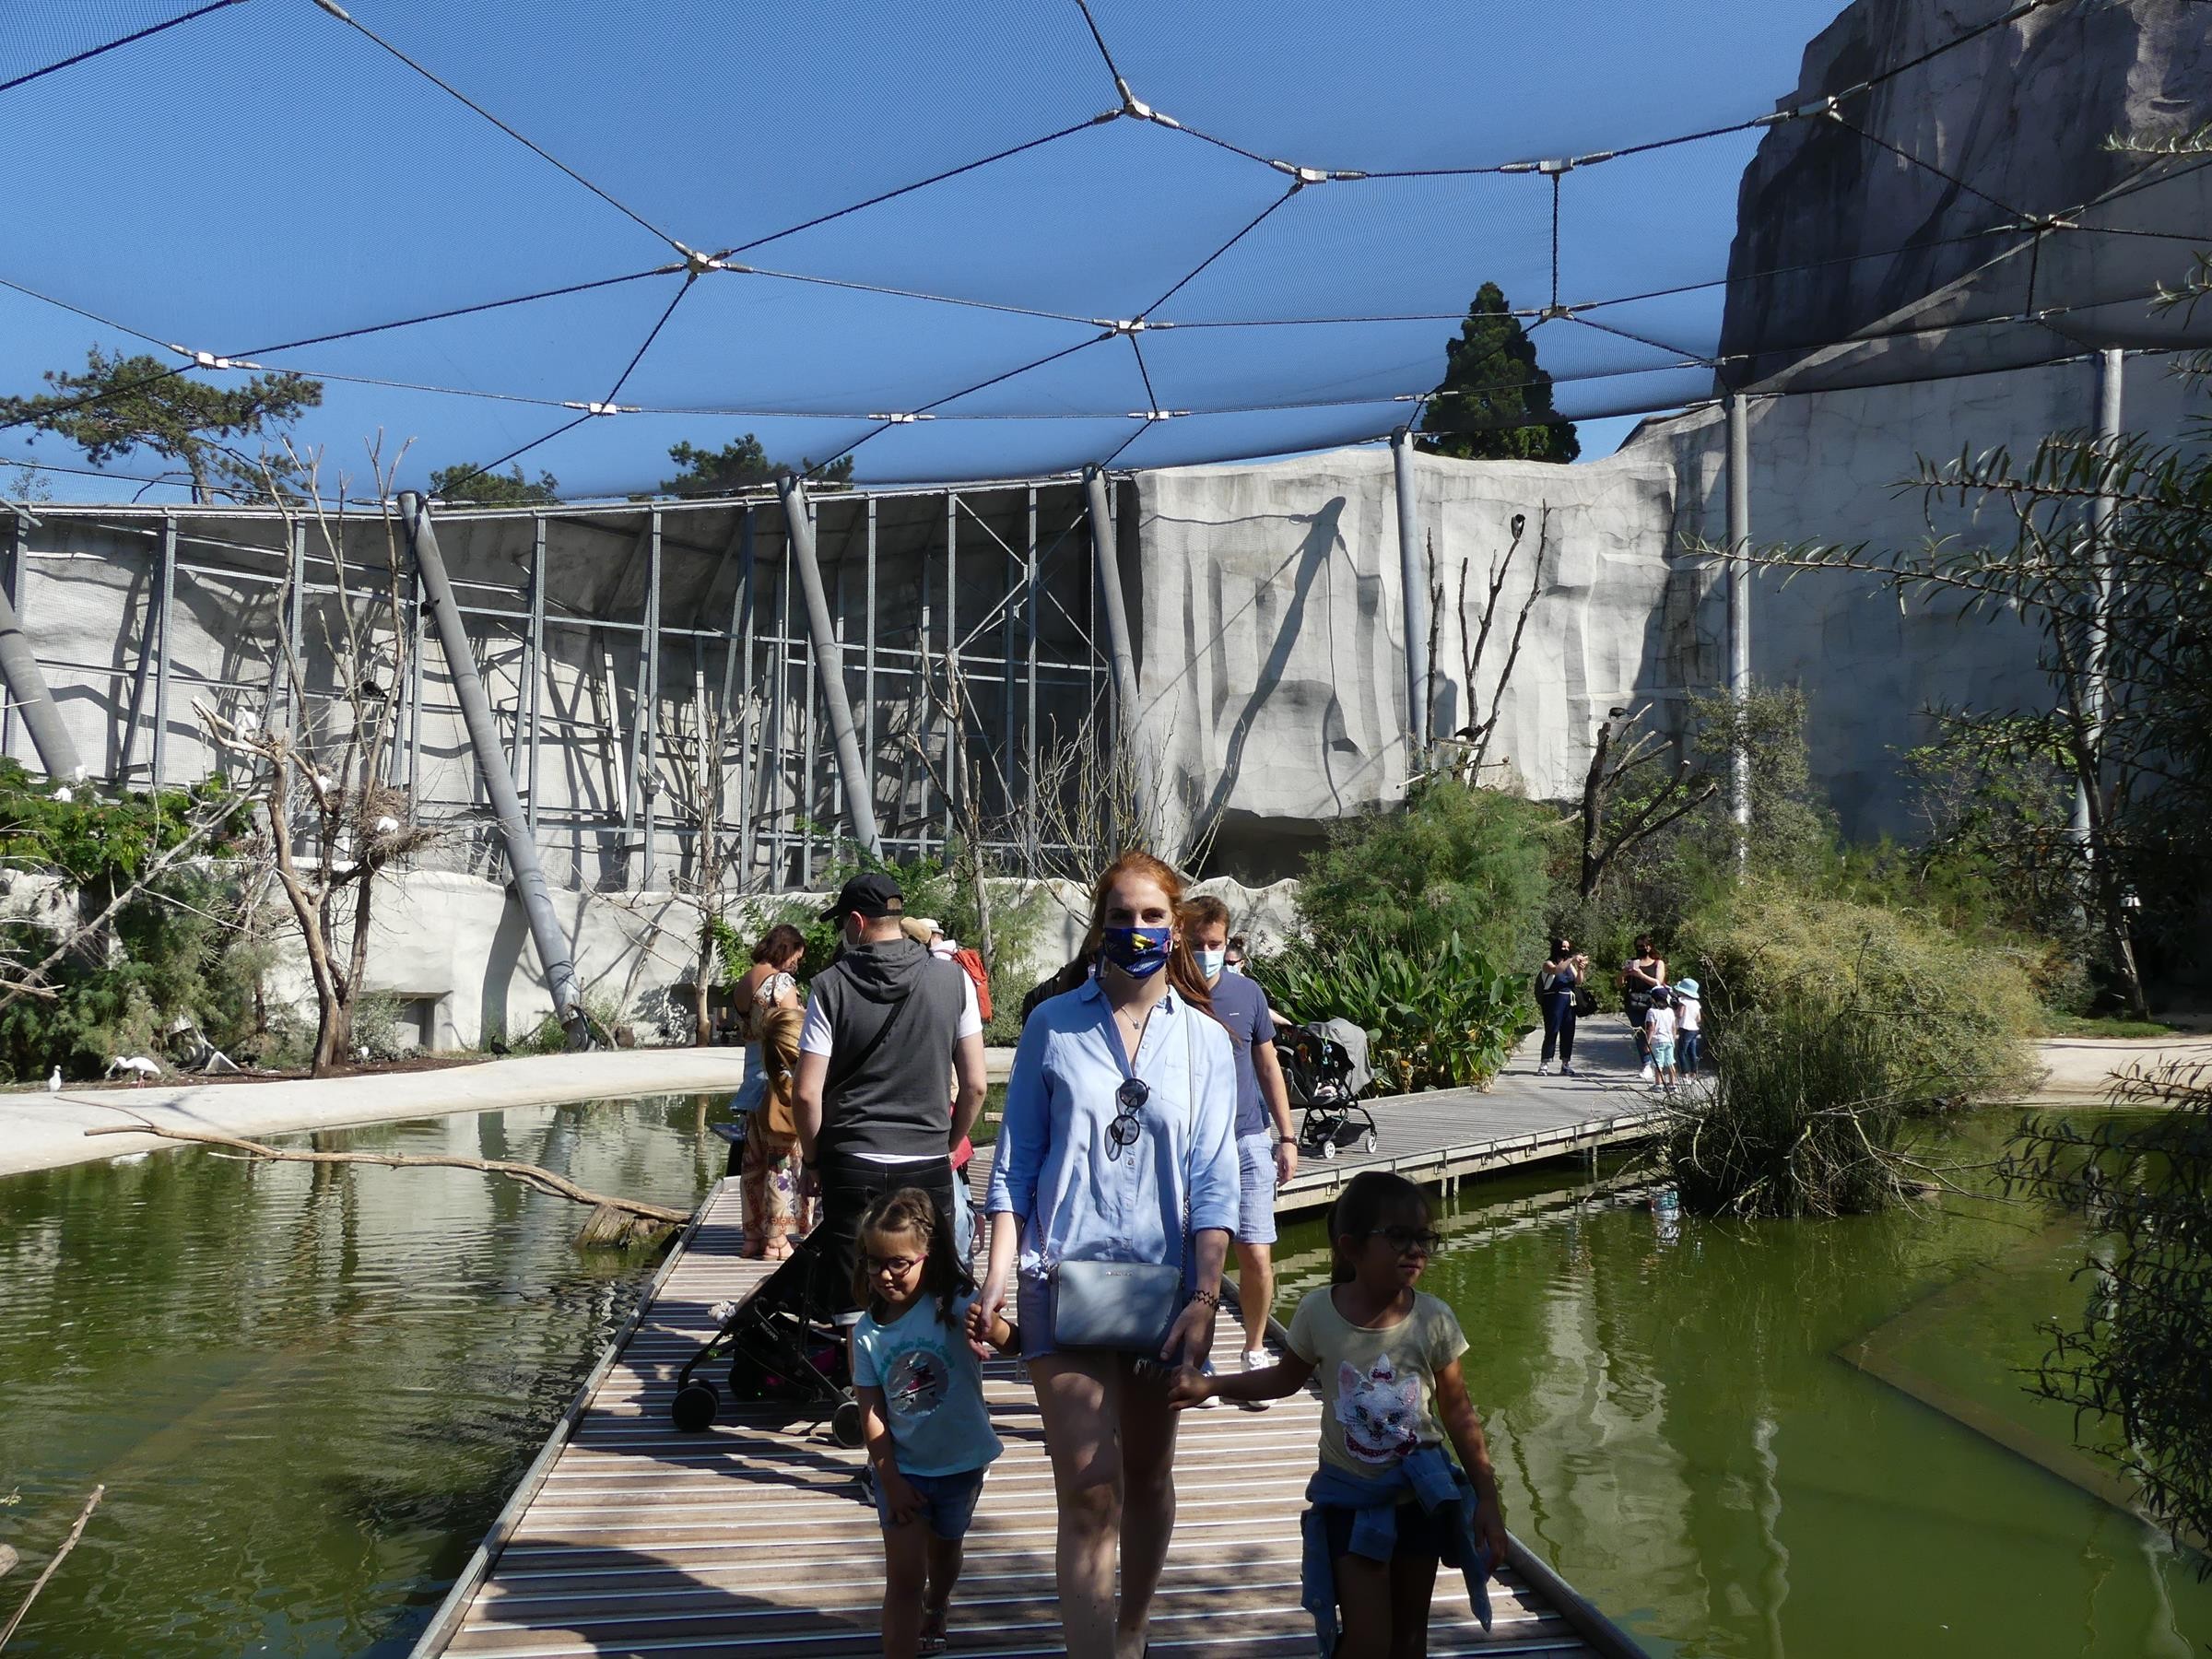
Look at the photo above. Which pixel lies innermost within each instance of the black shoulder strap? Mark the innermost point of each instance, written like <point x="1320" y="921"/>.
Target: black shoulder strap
<point x="842" y="1070"/>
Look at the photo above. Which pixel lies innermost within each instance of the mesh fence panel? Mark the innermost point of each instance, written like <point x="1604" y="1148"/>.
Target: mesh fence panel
<point x="568" y="237"/>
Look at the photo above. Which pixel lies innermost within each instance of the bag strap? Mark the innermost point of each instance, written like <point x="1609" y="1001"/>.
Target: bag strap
<point x="842" y="1073"/>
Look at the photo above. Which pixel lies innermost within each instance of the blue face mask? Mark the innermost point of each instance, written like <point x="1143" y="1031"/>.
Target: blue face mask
<point x="1211" y="964"/>
<point x="1140" y="952"/>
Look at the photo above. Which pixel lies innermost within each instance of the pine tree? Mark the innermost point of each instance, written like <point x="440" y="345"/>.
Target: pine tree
<point x="1494" y="404"/>
<point x="463" y="482"/>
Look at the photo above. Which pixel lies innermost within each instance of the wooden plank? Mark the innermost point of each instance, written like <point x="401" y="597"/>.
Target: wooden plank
<point x="756" y="1536"/>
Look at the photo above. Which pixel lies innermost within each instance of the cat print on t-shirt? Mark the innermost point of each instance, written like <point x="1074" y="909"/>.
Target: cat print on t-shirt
<point x="1380" y="1410"/>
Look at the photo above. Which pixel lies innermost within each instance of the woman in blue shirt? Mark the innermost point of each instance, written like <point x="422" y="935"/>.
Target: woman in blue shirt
<point x="1079" y="1175"/>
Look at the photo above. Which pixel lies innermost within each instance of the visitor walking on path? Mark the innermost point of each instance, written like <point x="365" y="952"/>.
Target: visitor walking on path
<point x="1659" y="1031"/>
<point x="887" y="1026"/>
<point x="1387" y="1507"/>
<point x="922" y="1412"/>
<point x="1640" y="976"/>
<point x="767" y="1000"/>
<point x="1557" y="983"/>
<point x="776" y="959"/>
<point x="1689" y="1014"/>
<point x="1266" y="1145"/>
<point x="1117" y="1146"/>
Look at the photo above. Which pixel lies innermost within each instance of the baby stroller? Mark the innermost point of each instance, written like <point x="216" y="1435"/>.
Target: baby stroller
<point x="1324" y="1068"/>
<point x="776" y="1347"/>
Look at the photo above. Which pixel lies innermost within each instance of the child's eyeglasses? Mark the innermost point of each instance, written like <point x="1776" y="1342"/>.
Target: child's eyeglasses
<point x="894" y="1266"/>
<point x="1129" y="1100"/>
<point x="1408" y="1241"/>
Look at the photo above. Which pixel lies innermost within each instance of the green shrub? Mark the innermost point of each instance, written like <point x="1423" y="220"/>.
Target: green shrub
<point x="1455" y="861"/>
<point x="1797" y="1123"/>
<point x="1443" y="1017"/>
<point x="1952" y="1018"/>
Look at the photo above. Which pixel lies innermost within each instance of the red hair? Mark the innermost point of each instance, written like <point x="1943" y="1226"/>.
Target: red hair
<point x="1183" y="967"/>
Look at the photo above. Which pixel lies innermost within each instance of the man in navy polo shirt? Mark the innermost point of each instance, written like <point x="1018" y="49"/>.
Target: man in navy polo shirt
<point x="1266" y="1150"/>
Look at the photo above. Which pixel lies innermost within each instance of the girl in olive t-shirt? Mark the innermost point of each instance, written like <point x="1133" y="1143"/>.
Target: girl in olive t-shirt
<point x="1387" y="1361"/>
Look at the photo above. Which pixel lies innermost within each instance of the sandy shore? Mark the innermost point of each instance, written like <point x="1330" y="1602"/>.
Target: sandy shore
<point x="45" y="1130"/>
<point x="2083" y="1067"/>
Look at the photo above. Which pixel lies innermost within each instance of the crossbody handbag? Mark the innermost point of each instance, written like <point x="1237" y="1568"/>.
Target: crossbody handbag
<point x="1123" y="1307"/>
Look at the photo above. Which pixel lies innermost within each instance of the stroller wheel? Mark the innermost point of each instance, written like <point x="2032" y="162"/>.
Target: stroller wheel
<point x="694" y="1407"/>
<point x="1328" y="1147"/>
<point x="1370" y="1141"/>
<point x="844" y="1423"/>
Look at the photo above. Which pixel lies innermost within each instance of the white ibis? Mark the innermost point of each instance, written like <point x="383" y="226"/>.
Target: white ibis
<point x="64" y="794"/>
<point x="387" y="825"/>
<point x="138" y="1065"/>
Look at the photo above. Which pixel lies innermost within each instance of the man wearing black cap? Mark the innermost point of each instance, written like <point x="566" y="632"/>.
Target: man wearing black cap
<point x="887" y="1025"/>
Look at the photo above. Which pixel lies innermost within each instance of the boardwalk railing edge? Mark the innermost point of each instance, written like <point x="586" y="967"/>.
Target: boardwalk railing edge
<point x="439" y="1633"/>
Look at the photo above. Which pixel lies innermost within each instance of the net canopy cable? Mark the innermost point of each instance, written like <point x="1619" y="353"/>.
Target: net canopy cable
<point x="1671" y="334"/>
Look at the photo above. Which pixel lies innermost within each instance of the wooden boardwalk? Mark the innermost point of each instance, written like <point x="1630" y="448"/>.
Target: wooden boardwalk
<point x="626" y="1537"/>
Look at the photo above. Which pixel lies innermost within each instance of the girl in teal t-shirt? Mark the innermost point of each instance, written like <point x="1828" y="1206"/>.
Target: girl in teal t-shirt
<point x="921" y="1390"/>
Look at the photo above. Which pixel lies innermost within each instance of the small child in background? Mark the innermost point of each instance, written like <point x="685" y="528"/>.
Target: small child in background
<point x="1388" y="1506"/>
<point x="1689" y="1015"/>
<point x="1660" y="1029"/>
<point x="921" y="1390"/>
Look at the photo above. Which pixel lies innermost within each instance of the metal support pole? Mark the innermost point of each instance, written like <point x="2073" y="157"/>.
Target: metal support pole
<point x="867" y="712"/>
<point x="830" y="666"/>
<point x="1739" y="613"/>
<point x="165" y="600"/>
<point x="1028" y="725"/>
<point x="649" y="699"/>
<point x="414" y="702"/>
<point x="499" y="782"/>
<point x="1106" y="559"/>
<point x="741" y="626"/>
<point x="18" y="560"/>
<point x="1414" y="579"/>
<point x="26" y="687"/>
<point x="952" y="654"/>
<point x="2112" y="364"/>
<point x="533" y="666"/>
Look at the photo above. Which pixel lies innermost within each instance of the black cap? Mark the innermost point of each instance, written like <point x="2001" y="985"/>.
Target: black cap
<point x="872" y="895"/>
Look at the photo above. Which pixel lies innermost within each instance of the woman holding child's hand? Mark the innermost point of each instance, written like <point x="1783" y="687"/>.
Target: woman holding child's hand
<point x="1118" y="1144"/>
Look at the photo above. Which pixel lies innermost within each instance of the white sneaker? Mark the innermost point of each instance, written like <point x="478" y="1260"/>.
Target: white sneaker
<point x="1543" y="1068"/>
<point x="1211" y="1401"/>
<point x="1257" y="1361"/>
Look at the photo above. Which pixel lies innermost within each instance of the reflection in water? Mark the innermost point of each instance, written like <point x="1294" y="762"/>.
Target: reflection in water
<point x="308" y="1387"/>
<point x="1675" y="1430"/>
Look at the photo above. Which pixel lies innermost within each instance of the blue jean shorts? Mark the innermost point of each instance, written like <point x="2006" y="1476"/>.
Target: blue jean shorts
<point x="1255" y="1188"/>
<point x="948" y="1501"/>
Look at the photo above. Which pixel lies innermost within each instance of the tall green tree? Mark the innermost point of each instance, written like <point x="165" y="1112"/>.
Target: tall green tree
<point x="121" y="404"/>
<point x="466" y="482"/>
<point x="737" y="465"/>
<point x="1494" y="403"/>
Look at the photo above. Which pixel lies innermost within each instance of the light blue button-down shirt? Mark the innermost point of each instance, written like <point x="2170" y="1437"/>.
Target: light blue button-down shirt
<point x="1050" y="1166"/>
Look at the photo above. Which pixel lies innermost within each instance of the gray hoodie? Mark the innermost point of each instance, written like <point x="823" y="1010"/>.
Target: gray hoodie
<point x="894" y="1012"/>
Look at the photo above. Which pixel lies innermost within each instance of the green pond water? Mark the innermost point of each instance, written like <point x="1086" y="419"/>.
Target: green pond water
<point x="310" y="1390"/>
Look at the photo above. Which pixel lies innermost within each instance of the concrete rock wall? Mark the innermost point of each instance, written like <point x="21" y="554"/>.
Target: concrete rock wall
<point x="1270" y="614"/>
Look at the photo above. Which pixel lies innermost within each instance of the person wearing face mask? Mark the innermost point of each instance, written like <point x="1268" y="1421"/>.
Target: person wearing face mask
<point x="1267" y="1146"/>
<point x="1118" y="1146"/>
<point x="885" y="1026"/>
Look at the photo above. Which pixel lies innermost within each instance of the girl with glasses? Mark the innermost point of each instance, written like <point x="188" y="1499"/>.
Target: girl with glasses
<point x="1117" y="1145"/>
<point x="921" y="1389"/>
<point x="1387" y="1505"/>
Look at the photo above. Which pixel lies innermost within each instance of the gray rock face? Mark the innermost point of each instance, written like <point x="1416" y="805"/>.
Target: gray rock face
<point x="1919" y="193"/>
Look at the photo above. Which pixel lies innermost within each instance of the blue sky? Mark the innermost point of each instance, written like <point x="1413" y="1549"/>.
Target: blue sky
<point x="256" y="180"/>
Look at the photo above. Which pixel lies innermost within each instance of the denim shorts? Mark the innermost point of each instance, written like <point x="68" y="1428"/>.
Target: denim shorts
<point x="1663" y="1053"/>
<point x="948" y="1501"/>
<point x="1255" y="1188"/>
